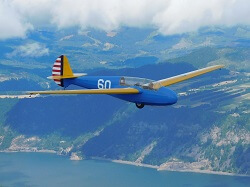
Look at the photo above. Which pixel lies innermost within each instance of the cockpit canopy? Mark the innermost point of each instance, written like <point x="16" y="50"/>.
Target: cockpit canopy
<point x="135" y="81"/>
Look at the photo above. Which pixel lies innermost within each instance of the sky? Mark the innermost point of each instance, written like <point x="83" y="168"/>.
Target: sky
<point x="19" y="17"/>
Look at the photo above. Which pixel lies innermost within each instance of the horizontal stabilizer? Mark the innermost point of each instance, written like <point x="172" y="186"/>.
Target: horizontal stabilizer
<point x="75" y="75"/>
<point x="90" y="91"/>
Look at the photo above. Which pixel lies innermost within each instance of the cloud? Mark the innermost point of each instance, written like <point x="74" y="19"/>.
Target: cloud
<point x="66" y="37"/>
<point x="185" y="16"/>
<point x="30" y="50"/>
<point x="11" y="24"/>
<point x="168" y="16"/>
<point x="108" y="46"/>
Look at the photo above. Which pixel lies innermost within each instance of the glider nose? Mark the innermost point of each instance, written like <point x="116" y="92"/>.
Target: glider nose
<point x="172" y="96"/>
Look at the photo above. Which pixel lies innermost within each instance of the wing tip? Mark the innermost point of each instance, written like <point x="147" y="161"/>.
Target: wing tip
<point x="219" y="66"/>
<point x="31" y="93"/>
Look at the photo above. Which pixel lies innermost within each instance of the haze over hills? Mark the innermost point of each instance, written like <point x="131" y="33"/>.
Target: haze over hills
<point x="208" y="129"/>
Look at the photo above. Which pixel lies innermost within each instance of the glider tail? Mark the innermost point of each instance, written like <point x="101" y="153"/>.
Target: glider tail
<point x="61" y="70"/>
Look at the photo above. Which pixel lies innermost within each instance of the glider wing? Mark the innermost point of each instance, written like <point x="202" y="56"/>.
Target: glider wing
<point x="185" y="76"/>
<point x="90" y="91"/>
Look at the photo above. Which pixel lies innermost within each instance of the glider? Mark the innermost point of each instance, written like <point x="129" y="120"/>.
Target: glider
<point x="140" y="91"/>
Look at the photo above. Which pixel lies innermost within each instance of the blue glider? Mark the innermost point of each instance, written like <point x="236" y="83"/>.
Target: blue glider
<point x="136" y="90"/>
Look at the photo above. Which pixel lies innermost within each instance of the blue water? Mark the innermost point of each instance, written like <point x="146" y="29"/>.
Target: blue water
<point x="41" y="169"/>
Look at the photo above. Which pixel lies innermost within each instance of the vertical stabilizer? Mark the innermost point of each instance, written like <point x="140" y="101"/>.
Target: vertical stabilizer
<point x="61" y="70"/>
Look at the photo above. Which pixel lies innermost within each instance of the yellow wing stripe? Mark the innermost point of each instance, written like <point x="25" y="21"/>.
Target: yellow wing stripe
<point x="90" y="91"/>
<point x="185" y="76"/>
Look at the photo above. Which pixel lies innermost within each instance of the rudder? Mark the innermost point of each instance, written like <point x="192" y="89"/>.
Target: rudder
<point x="57" y="70"/>
<point x="61" y="70"/>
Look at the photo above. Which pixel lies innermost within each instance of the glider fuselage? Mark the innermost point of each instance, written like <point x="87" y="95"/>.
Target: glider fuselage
<point x="160" y="97"/>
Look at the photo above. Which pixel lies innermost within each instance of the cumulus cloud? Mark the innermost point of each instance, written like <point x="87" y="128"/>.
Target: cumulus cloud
<point x="30" y="50"/>
<point x="168" y="16"/>
<point x="11" y="24"/>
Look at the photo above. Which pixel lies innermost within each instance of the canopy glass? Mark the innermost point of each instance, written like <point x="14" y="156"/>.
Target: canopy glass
<point x="135" y="81"/>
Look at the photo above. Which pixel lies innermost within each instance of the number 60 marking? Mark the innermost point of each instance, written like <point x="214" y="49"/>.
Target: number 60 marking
<point x="104" y="84"/>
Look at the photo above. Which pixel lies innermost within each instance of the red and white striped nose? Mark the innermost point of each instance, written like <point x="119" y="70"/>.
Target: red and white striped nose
<point x="57" y="70"/>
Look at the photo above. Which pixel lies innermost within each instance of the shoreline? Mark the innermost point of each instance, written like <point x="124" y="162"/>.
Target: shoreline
<point x="189" y="171"/>
<point x="29" y="151"/>
<point x="135" y="164"/>
<point x="158" y="168"/>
